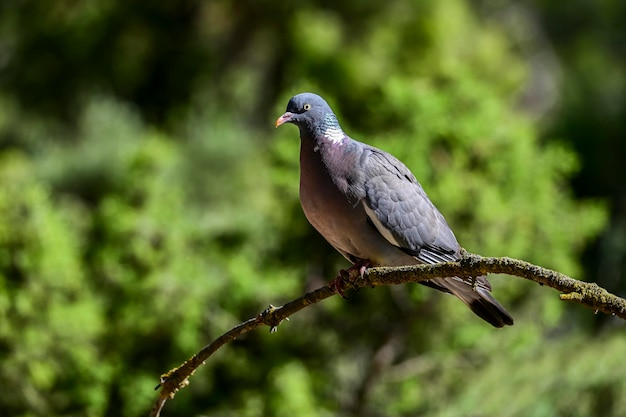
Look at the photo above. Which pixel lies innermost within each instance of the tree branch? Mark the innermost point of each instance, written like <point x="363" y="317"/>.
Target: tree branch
<point x="586" y="293"/>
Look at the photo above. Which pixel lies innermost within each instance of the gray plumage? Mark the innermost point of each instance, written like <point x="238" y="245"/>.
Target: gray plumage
<point x="371" y="208"/>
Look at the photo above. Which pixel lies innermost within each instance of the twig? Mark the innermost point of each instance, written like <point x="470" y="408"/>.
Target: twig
<point x="586" y="293"/>
<point x="178" y="378"/>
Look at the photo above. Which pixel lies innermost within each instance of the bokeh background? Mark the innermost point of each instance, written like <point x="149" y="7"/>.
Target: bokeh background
<point x="147" y="204"/>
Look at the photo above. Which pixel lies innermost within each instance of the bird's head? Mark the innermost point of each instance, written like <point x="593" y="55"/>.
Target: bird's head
<point x="310" y="113"/>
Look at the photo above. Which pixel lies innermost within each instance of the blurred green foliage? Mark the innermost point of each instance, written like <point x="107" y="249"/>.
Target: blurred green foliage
<point x="147" y="206"/>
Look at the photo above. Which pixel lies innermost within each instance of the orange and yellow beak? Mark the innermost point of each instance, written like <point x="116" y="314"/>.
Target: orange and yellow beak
<point x="285" y="118"/>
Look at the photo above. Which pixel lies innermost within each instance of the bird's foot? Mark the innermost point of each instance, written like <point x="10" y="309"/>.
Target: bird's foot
<point x="347" y="277"/>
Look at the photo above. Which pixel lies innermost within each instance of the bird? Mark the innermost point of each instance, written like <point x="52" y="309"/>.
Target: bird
<point x="370" y="207"/>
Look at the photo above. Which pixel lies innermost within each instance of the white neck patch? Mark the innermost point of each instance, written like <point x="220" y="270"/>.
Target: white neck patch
<point x="334" y="135"/>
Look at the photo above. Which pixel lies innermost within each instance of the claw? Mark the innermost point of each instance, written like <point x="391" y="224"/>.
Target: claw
<point x="338" y="285"/>
<point x="362" y="269"/>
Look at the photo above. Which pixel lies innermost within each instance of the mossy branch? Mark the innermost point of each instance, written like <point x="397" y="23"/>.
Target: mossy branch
<point x="588" y="294"/>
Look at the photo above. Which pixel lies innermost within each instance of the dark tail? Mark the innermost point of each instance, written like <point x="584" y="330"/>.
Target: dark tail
<point x="477" y="297"/>
<point x="489" y="309"/>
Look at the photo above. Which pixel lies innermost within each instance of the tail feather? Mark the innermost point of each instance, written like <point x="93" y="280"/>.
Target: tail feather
<point x="489" y="309"/>
<point x="477" y="298"/>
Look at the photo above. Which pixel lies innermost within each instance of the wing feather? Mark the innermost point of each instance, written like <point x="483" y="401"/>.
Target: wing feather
<point x="399" y="209"/>
<point x="402" y="212"/>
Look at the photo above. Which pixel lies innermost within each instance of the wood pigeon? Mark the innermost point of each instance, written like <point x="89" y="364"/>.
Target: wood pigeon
<point x="369" y="206"/>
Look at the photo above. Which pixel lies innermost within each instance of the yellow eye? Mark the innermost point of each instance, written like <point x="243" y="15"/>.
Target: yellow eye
<point x="307" y="107"/>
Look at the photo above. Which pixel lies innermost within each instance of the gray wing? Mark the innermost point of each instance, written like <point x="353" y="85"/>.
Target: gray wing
<point x="400" y="210"/>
